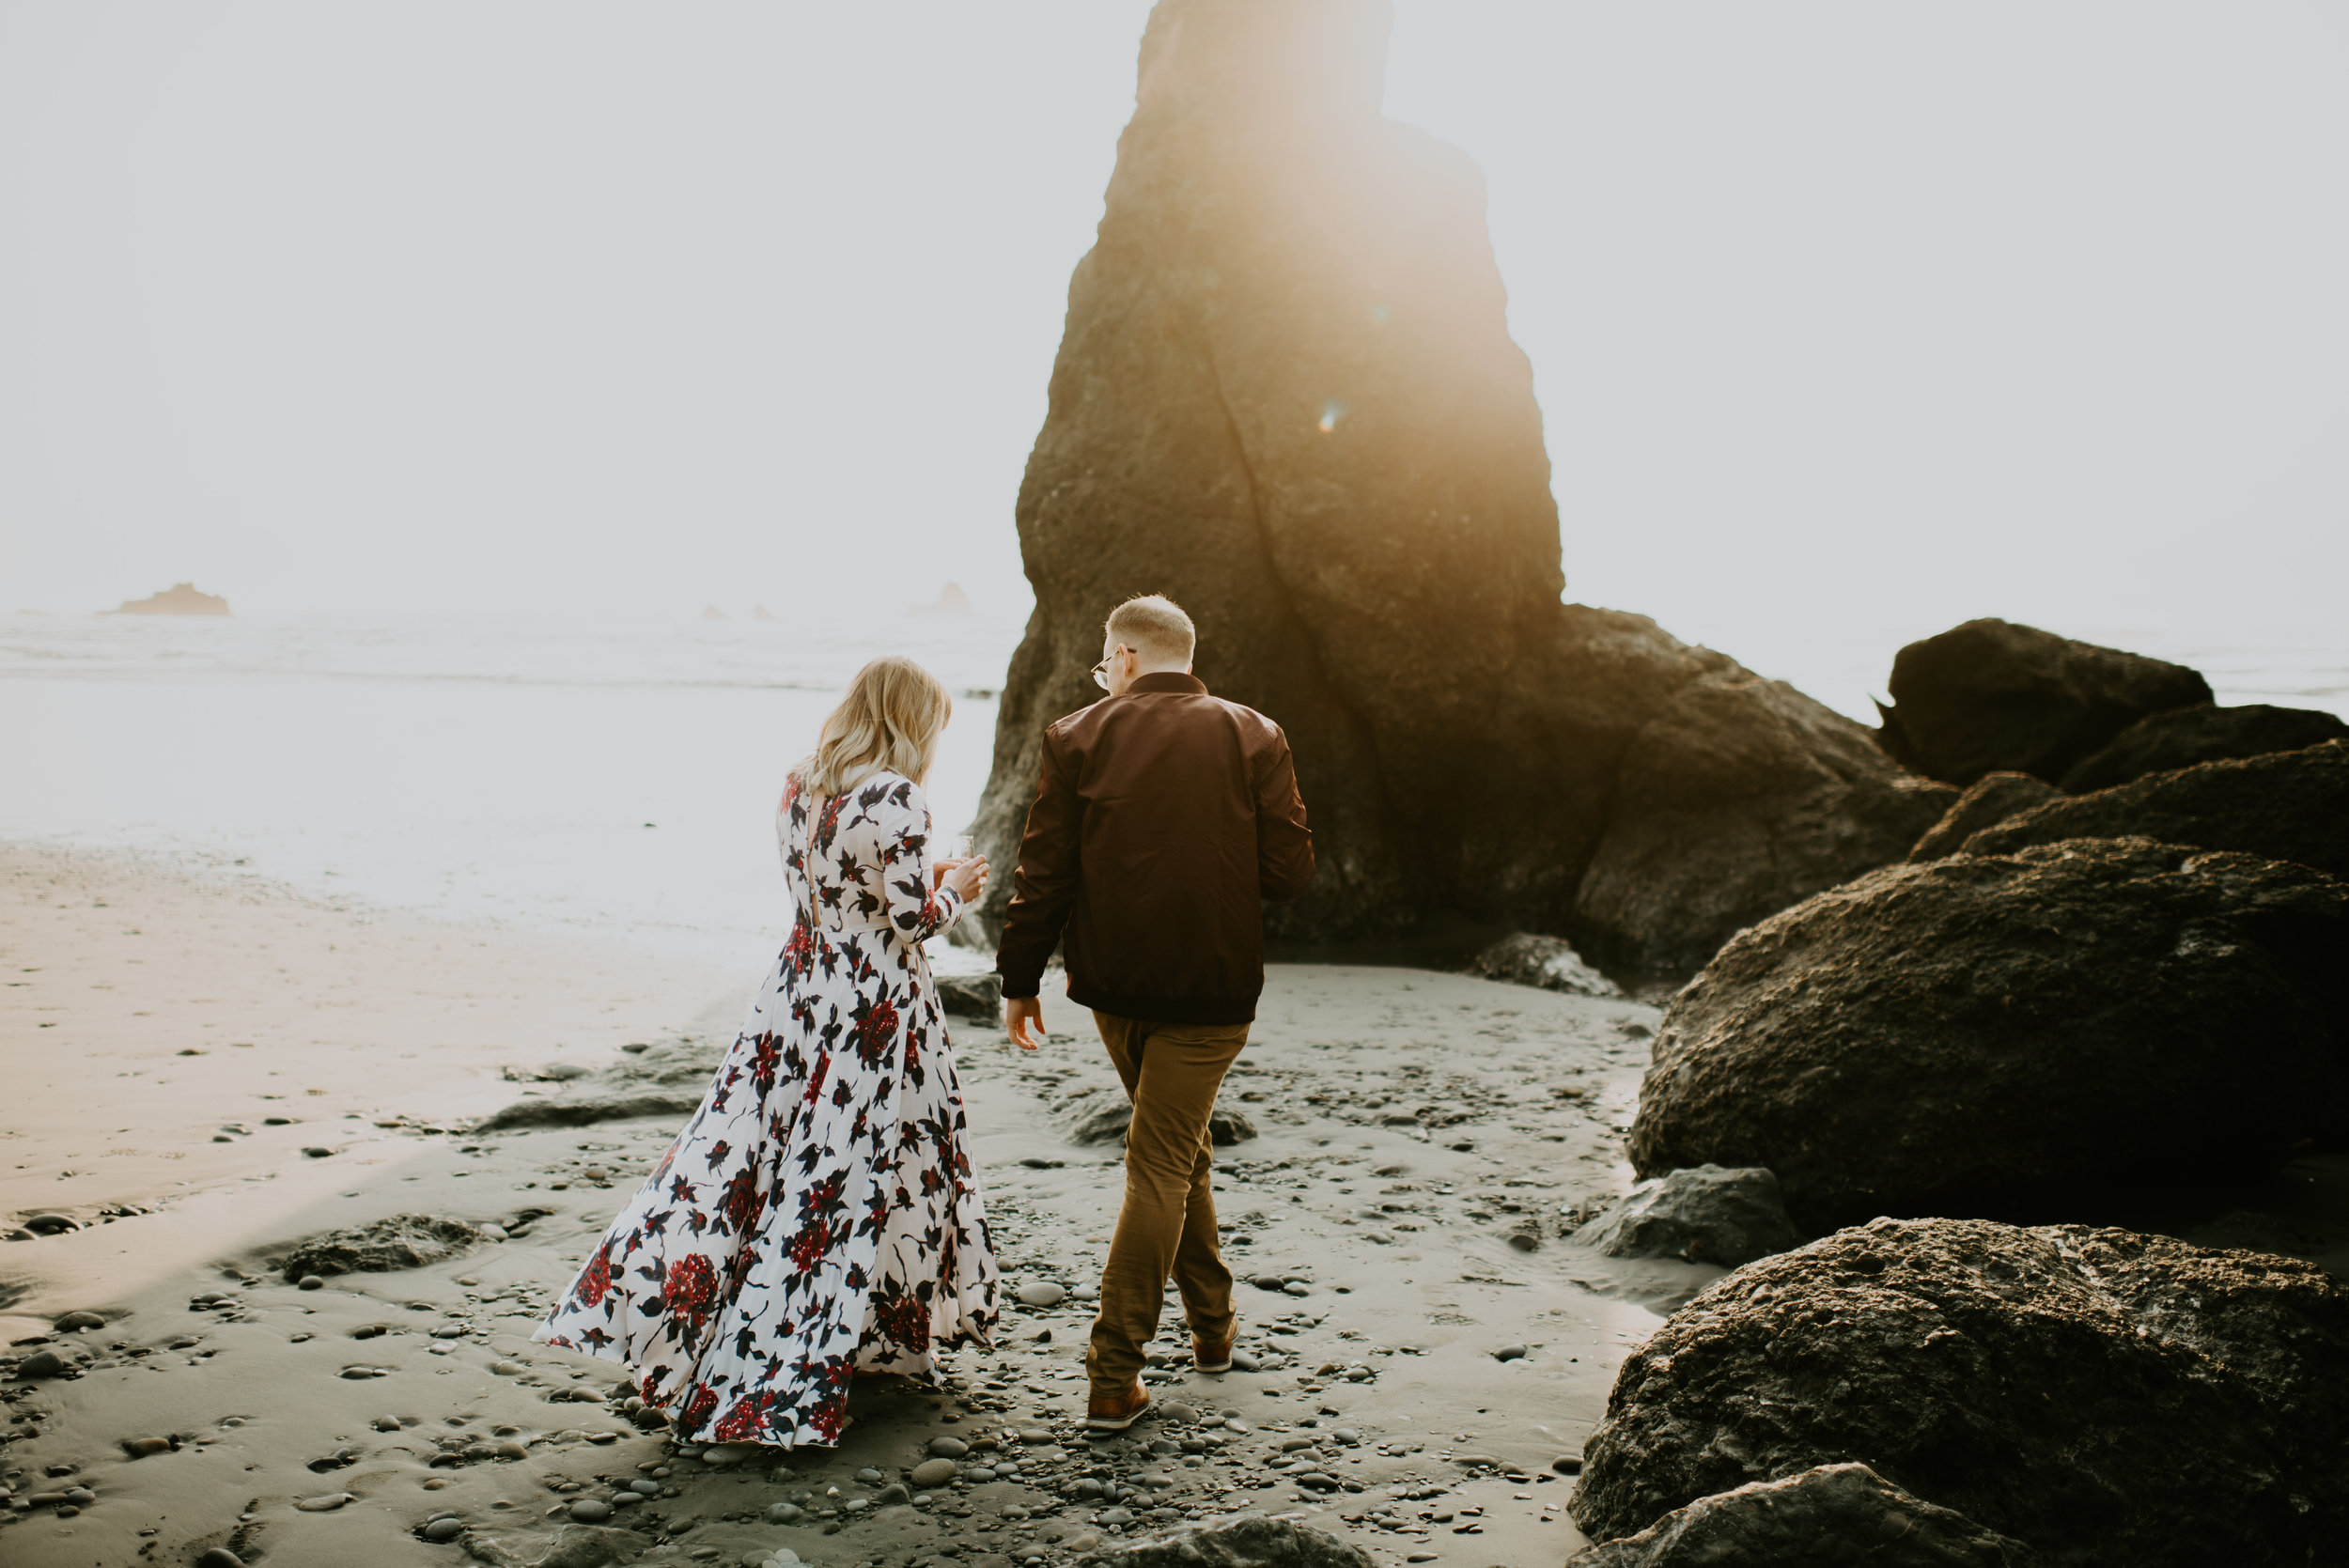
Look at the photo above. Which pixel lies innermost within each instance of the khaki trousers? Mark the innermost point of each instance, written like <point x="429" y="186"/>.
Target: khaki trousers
<point x="1166" y="1226"/>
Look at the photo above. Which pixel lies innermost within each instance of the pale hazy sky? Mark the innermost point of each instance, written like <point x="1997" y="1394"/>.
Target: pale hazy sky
<point x="1993" y="309"/>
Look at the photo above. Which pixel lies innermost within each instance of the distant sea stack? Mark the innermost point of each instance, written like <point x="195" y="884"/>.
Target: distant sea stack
<point x="1287" y="395"/>
<point x="951" y="602"/>
<point x="180" y="598"/>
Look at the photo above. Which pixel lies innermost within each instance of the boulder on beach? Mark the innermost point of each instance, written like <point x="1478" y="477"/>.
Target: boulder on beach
<point x="1990" y="696"/>
<point x="1287" y="397"/>
<point x="1523" y="958"/>
<point x="1250" y="1540"/>
<point x="382" y="1246"/>
<point x="973" y="996"/>
<point x="1987" y="801"/>
<point x="2283" y="806"/>
<point x="1827" y="1514"/>
<point x="583" y="1110"/>
<point x="180" y="598"/>
<point x="2004" y="1034"/>
<point x="1702" y="1214"/>
<point x="2107" y="1398"/>
<point x="2184" y="736"/>
<point x="1103" y="1119"/>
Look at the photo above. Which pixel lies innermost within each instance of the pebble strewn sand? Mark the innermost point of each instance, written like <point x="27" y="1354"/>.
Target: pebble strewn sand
<point x="1424" y="1346"/>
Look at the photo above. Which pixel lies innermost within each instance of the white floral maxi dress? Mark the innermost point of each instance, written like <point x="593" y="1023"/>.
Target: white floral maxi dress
<point x="819" y="1215"/>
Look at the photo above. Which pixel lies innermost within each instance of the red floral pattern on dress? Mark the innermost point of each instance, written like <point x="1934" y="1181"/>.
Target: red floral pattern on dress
<point x="819" y="1214"/>
<point x="876" y="1033"/>
<point x="746" y="1420"/>
<point x="594" y="1280"/>
<point x="690" y="1291"/>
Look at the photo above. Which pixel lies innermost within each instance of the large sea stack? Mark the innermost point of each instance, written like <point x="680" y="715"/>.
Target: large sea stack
<point x="1287" y="395"/>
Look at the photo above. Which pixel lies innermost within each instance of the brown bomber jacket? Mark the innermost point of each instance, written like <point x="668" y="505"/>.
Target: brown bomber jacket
<point x="1163" y="820"/>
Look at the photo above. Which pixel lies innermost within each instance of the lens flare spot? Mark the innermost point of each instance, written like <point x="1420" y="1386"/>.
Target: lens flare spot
<point x="1380" y="315"/>
<point x="1331" y="412"/>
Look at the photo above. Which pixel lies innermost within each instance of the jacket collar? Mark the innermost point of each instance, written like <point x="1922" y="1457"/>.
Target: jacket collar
<point x="1167" y="680"/>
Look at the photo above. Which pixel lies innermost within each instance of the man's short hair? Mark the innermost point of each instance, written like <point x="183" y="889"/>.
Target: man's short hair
<point x="1154" y="627"/>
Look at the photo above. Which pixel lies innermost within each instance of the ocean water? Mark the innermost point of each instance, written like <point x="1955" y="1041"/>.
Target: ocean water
<point x="614" y="778"/>
<point x="618" y="778"/>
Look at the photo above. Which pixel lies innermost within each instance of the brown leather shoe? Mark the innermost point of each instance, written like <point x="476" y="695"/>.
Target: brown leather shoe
<point x="1115" y="1412"/>
<point x="1211" y="1354"/>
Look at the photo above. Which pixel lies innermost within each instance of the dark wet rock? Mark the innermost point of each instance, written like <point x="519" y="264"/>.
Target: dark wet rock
<point x="1828" y="1514"/>
<point x="2187" y="737"/>
<point x="1103" y="1119"/>
<point x="973" y="996"/>
<point x="580" y="1110"/>
<point x="2109" y="1398"/>
<point x="2011" y="1034"/>
<point x="1243" y="1543"/>
<point x="684" y="1060"/>
<point x="219" y="1557"/>
<point x="43" y="1363"/>
<point x="1990" y="696"/>
<point x="1523" y="958"/>
<point x="52" y="1225"/>
<point x="1287" y="397"/>
<point x="1987" y="801"/>
<point x="145" y="1448"/>
<point x="382" y="1246"/>
<point x="591" y="1546"/>
<point x="2285" y="806"/>
<point x="1700" y="1214"/>
<point x="75" y="1322"/>
<point x="443" y="1530"/>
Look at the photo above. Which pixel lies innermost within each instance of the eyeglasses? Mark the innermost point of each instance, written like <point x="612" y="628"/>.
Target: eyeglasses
<point x="1101" y="671"/>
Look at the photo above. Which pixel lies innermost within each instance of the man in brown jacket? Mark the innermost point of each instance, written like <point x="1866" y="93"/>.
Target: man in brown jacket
<point x="1163" y="818"/>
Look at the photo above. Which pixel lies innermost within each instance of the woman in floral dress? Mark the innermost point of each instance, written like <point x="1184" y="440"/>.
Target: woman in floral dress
<point x="818" y="1217"/>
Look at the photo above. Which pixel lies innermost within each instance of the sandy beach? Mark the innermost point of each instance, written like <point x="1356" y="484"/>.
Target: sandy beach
<point x="1426" y="1347"/>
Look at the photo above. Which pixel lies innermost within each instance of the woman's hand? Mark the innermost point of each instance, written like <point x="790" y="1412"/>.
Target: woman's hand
<point x="965" y="879"/>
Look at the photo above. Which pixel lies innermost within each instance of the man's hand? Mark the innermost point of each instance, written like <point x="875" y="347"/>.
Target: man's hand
<point x="1023" y="1019"/>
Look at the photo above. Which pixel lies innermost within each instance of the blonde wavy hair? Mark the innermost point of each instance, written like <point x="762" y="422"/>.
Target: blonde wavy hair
<point x="890" y="719"/>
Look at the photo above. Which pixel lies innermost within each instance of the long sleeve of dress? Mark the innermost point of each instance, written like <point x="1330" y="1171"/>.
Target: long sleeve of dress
<point x="901" y="816"/>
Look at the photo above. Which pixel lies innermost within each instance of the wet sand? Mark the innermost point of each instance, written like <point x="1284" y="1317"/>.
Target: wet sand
<point x="1409" y="1125"/>
<point x="170" y="1046"/>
